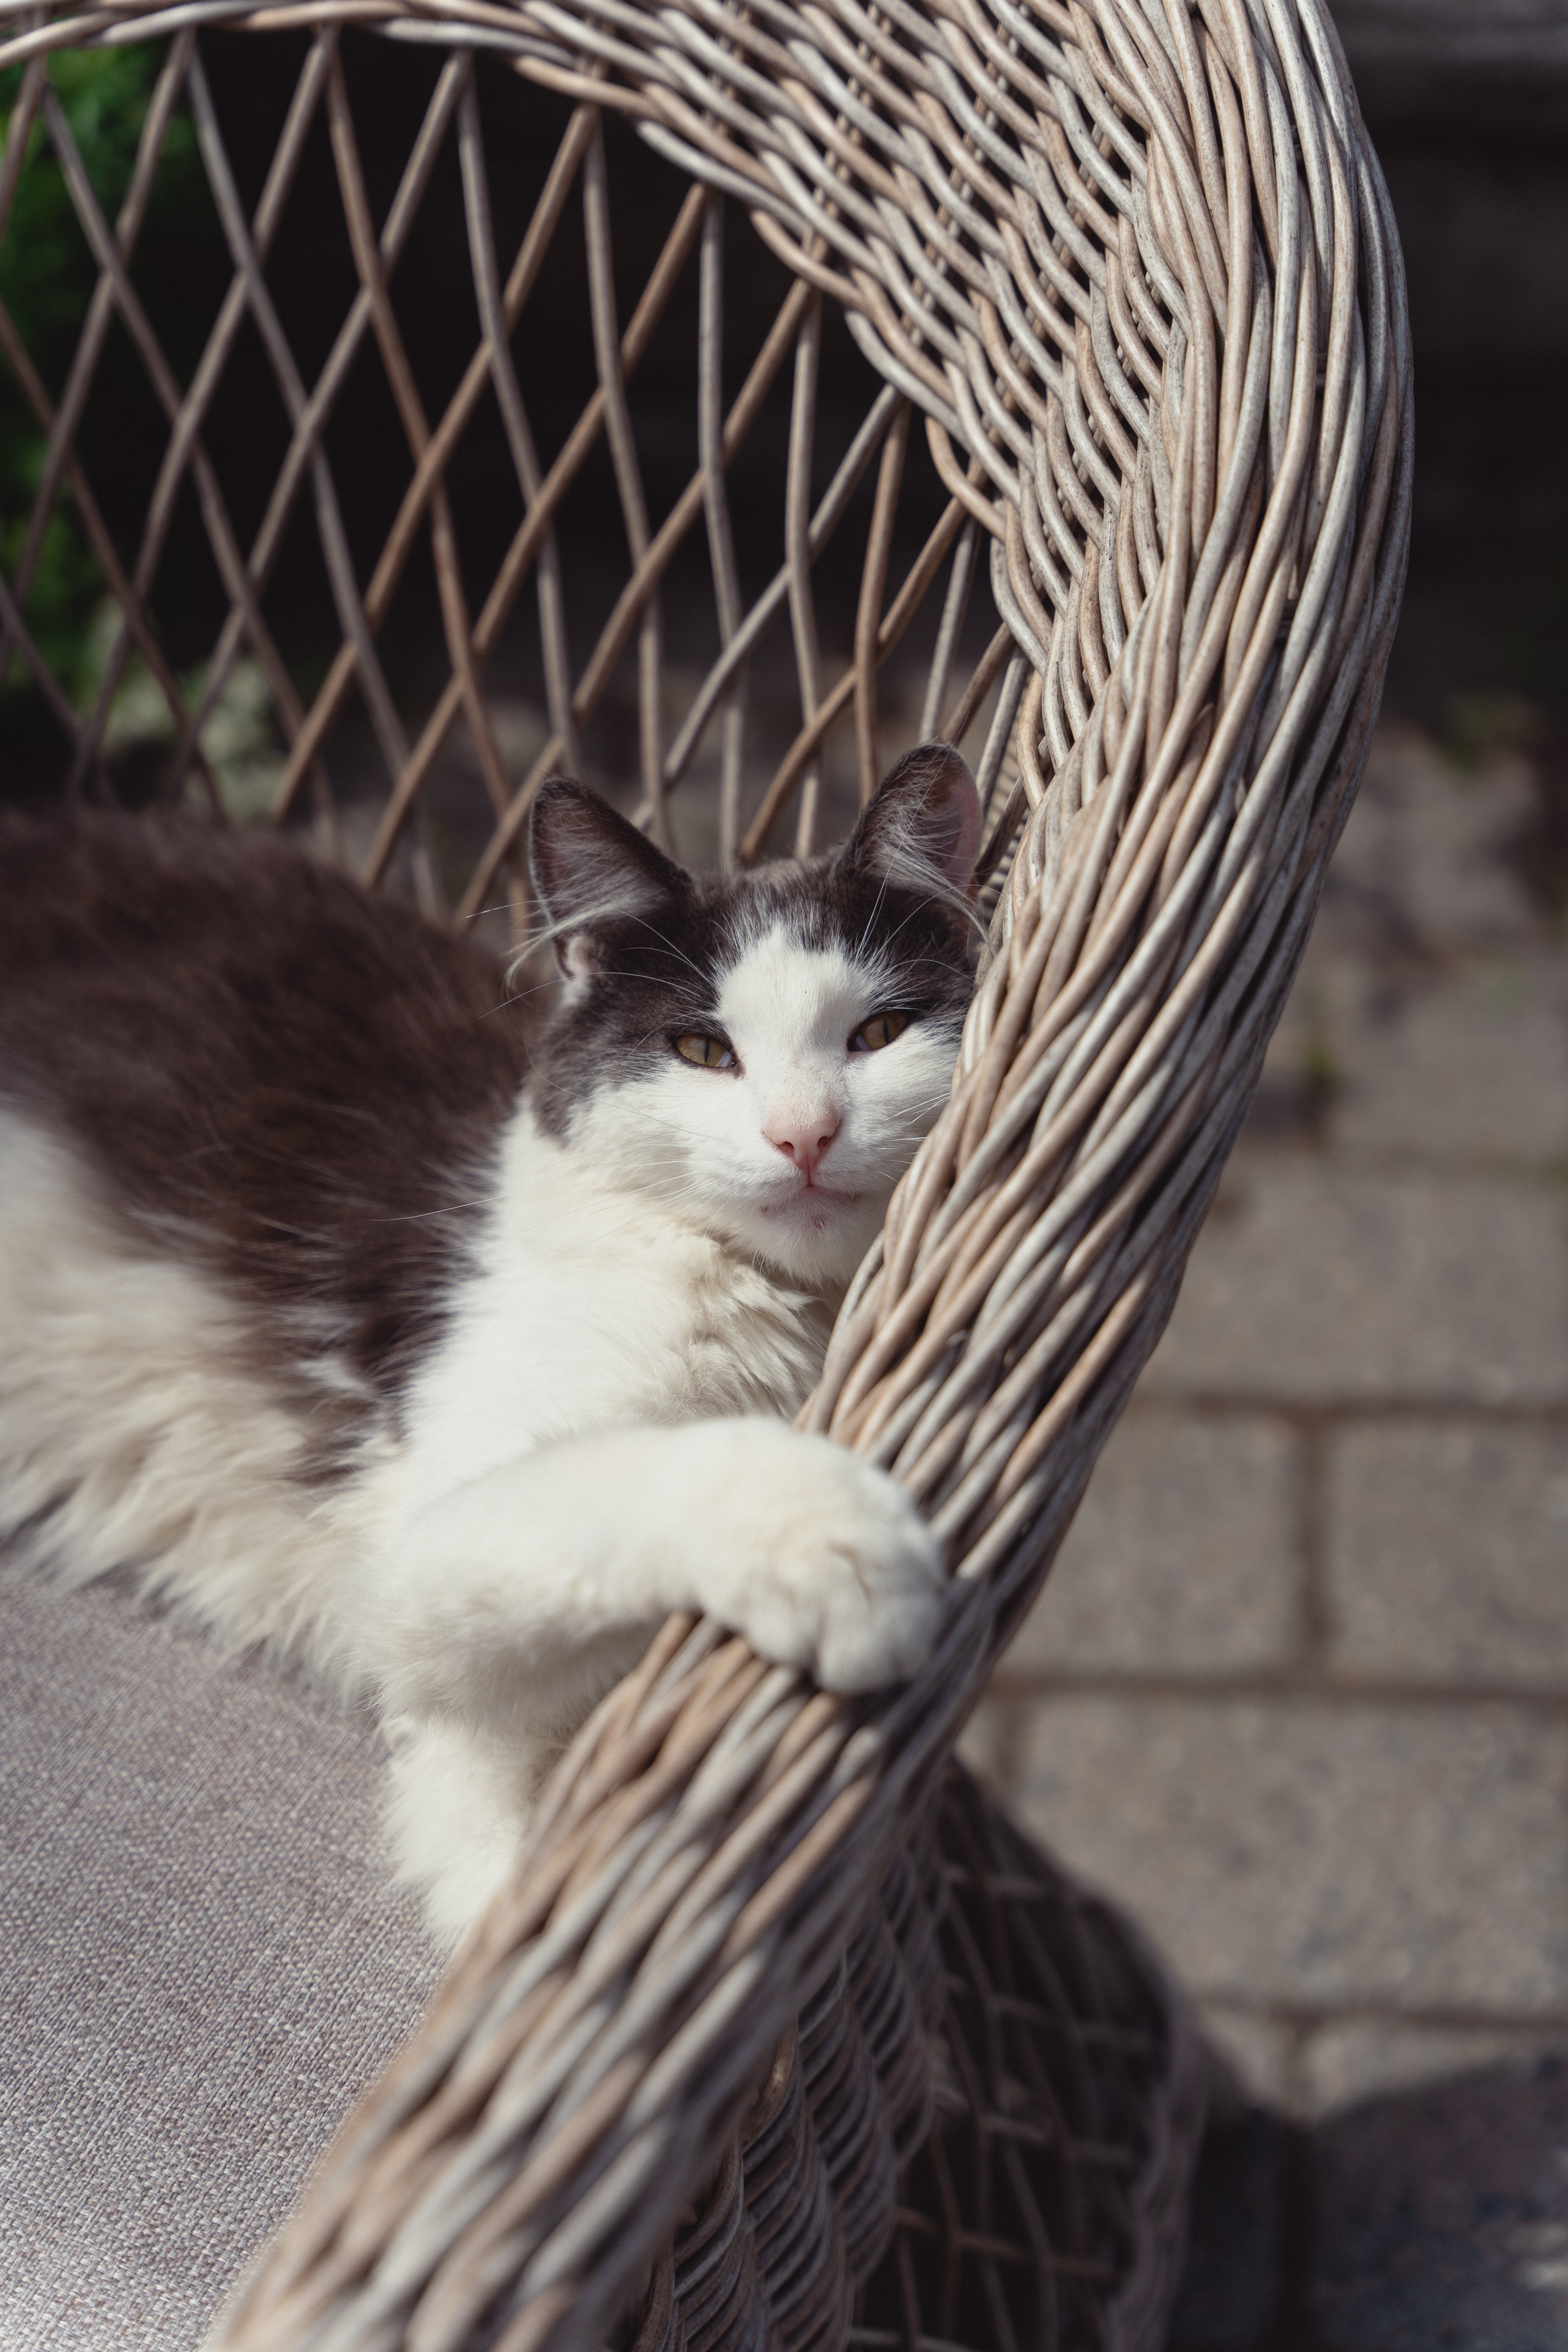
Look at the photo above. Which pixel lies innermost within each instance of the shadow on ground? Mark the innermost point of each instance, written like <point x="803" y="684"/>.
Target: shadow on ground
<point x="1424" y="2219"/>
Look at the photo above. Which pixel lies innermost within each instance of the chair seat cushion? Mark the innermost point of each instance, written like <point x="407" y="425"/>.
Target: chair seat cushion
<point x="203" y="1963"/>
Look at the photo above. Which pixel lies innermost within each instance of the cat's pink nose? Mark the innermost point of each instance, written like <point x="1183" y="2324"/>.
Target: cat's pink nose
<point x="803" y="1140"/>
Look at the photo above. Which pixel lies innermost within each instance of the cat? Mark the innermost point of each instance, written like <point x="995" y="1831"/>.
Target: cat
<point x="365" y="1319"/>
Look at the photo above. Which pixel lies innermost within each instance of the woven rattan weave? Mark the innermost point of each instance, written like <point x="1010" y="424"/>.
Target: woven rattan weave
<point x="1128" y="271"/>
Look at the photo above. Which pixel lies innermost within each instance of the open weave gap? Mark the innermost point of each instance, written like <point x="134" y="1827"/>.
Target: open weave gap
<point x="1022" y="2210"/>
<point x="397" y="780"/>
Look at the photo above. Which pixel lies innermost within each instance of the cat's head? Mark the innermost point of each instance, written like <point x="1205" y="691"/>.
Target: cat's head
<point x="764" y="1053"/>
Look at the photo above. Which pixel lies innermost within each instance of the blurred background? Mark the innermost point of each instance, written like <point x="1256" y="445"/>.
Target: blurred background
<point x="1298" y="1691"/>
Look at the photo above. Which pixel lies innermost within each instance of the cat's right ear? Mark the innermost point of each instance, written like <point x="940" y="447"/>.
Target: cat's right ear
<point x="593" y="870"/>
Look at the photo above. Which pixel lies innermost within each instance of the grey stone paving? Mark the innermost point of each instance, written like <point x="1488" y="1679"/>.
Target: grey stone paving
<point x="1298" y="1691"/>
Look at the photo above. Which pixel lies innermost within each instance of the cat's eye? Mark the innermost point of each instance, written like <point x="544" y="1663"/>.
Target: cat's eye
<point x="708" y="1053"/>
<point x="879" y="1030"/>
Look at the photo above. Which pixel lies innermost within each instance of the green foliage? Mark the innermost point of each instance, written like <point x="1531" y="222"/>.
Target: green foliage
<point x="47" y="278"/>
<point x="1476" y="724"/>
<point x="1320" y="1074"/>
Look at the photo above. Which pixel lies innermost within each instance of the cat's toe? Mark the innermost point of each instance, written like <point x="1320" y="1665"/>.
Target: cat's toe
<point x="882" y="1635"/>
<point x="880" y="1593"/>
<point x="850" y="1582"/>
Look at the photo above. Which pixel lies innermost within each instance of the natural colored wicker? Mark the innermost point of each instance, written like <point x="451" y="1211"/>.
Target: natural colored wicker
<point x="1130" y="272"/>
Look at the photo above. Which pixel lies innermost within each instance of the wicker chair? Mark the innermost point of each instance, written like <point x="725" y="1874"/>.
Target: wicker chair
<point x="784" y="2036"/>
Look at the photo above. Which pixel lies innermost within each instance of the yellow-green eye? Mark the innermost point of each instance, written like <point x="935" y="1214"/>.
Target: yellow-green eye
<point x="708" y="1053"/>
<point x="879" y="1030"/>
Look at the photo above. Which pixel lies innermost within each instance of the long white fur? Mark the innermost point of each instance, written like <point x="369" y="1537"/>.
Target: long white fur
<point x="600" y="1437"/>
<point x="132" y="1434"/>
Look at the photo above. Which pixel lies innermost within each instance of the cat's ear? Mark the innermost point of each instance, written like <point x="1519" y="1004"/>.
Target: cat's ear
<point x="591" y="870"/>
<point x="921" y="831"/>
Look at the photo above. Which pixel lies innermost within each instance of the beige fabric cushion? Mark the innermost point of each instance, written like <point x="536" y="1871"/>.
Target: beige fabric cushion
<point x="201" y="1962"/>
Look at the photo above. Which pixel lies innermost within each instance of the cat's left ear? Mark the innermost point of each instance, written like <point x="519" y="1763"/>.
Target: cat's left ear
<point x="593" y="870"/>
<point x="921" y="831"/>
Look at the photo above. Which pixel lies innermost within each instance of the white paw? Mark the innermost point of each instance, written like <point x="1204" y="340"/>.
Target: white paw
<point x="819" y="1560"/>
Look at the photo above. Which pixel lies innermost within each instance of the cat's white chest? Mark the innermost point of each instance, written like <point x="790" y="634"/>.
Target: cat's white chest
<point x="591" y="1308"/>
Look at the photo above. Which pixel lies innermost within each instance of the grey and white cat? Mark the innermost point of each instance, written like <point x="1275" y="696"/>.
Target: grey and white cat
<point x="360" y="1326"/>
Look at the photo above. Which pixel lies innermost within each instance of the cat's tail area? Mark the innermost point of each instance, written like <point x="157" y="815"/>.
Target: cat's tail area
<point x="132" y="1433"/>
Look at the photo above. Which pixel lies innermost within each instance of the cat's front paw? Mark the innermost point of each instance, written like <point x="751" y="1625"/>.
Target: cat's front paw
<point x="820" y="1561"/>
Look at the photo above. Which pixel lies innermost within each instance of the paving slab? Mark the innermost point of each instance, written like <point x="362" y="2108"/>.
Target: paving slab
<point x="1429" y="2220"/>
<point x="1462" y="1058"/>
<point x="1426" y="860"/>
<point x="1297" y="1850"/>
<point x="1311" y="1283"/>
<point x="1183" y="1558"/>
<point x="1263" y="2051"/>
<point x="1447" y="1547"/>
<point x="1442" y="2217"/>
<point x="1353" y="2059"/>
<point x="1470" y="1066"/>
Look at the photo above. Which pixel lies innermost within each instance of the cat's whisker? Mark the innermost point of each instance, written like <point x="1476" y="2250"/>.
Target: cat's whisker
<point x="418" y="1216"/>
